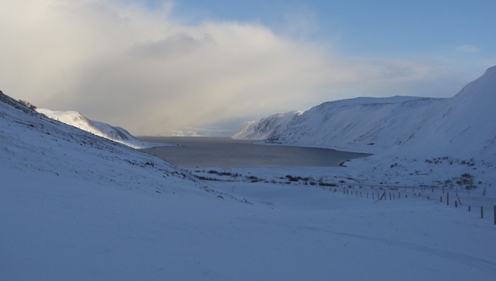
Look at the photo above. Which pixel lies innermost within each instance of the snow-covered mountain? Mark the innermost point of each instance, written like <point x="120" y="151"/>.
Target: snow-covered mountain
<point x="459" y="127"/>
<point x="74" y="206"/>
<point x="32" y="142"/>
<point x="117" y="134"/>
<point x="266" y="127"/>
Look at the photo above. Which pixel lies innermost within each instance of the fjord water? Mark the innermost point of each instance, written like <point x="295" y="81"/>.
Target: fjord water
<point x="202" y="152"/>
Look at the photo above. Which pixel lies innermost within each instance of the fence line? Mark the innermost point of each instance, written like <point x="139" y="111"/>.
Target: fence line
<point x="386" y="191"/>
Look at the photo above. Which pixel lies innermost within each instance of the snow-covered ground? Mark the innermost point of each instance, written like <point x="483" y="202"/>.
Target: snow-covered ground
<point x="117" y="134"/>
<point x="414" y="140"/>
<point x="78" y="207"/>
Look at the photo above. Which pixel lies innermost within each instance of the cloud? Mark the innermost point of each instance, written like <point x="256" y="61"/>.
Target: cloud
<point x="467" y="49"/>
<point x="143" y="70"/>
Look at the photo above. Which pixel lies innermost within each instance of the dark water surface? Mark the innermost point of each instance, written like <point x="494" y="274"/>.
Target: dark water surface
<point x="202" y="152"/>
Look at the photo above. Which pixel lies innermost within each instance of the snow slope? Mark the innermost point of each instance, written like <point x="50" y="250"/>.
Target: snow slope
<point x="74" y="206"/>
<point x="455" y="127"/>
<point x="32" y="143"/>
<point x="414" y="140"/>
<point x="117" y="134"/>
<point x="266" y="127"/>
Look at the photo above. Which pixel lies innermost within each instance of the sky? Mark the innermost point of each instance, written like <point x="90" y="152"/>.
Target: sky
<point x="157" y="66"/>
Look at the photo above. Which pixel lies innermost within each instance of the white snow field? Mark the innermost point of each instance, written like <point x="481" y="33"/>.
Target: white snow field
<point x="74" y="206"/>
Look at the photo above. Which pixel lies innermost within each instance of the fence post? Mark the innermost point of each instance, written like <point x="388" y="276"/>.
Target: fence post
<point x="383" y="195"/>
<point x="482" y="212"/>
<point x="459" y="201"/>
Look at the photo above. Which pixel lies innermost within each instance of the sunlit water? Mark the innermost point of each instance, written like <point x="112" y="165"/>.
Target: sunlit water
<point x="202" y="152"/>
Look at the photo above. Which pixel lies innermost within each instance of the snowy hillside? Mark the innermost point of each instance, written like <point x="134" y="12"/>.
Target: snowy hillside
<point x="266" y="127"/>
<point x="34" y="143"/>
<point x="453" y="127"/>
<point x="78" y="207"/>
<point x="97" y="128"/>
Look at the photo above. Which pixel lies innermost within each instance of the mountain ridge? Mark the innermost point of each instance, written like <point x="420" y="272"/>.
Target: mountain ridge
<point x="104" y="130"/>
<point x="455" y="127"/>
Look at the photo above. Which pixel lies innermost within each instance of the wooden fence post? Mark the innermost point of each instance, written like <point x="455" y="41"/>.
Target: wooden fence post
<point x="459" y="201"/>
<point x="383" y="195"/>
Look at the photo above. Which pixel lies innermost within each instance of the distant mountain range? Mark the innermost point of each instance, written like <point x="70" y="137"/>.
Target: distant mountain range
<point x="462" y="126"/>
